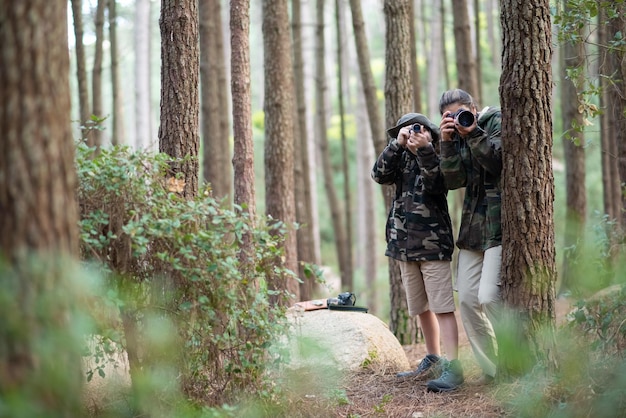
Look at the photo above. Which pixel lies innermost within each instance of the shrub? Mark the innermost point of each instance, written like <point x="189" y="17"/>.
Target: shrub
<point x="182" y="262"/>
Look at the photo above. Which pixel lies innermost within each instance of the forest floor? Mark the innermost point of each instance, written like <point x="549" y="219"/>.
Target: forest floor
<point x="381" y="394"/>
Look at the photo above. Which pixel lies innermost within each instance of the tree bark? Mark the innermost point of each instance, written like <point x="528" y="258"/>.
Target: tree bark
<point x="398" y="101"/>
<point x="178" y="132"/>
<point x="528" y="256"/>
<point x="243" y="155"/>
<point x="465" y="60"/>
<point x="339" y="228"/>
<point x="217" y="168"/>
<point x="617" y="103"/>
<point x="435" y="60"/>
<point x="494" y="44"/>
<point x="39" y="213"/>
<point x="366" y="242"/>
<point x="96" y="75"/>
<point x="613" y="105"/>
<point x="84" y="105"/>
<point x="118" y="132"/>
<point x="415" y="74"/>
<point x="573" y="58"/>
<point x="279" y="142"/>
<point x="610" y="172"/>
<point x="477" y="50"/>
<point x="143" y="99"/>
<point x="225" y="155"/>
<point x="367" y="78"/>
<point x="347" y="279"/>
<point x="302" y="165"/>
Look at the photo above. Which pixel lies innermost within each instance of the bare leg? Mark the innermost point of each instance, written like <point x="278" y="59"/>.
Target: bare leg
<point x="430" y="328"/>
<point x="449" y="334"/>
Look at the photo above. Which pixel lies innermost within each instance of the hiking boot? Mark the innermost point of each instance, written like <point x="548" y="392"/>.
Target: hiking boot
<point x="426" y="366"/>
<point x="450" y="379"/>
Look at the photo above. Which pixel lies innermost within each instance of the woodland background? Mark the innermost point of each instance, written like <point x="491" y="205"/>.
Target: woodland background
<point x="188" y="257"/>
<point x="133" y="116"/>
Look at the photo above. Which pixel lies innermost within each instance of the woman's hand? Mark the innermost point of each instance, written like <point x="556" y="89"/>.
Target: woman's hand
<point x="447" y="126"/>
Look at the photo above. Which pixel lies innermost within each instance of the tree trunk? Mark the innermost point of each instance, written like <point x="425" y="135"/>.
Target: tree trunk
<point x="618" y="26"/>
<point x="617" y="102"/>
<point x="610" y="104"/>
<point x="465" y="60"/>
<point x="279" y="119"/>
<point x="225" y="155"/>
<point x="610" y="172"/>
<point x="415" y="74"/>
<point x="435" y="63"/>
<point x="528" y="265"/>
<point x="302" y="169"/>
<point x="178" y="132"/>
<point x="398" y="101"/>
<point x="118" y="135"/>
<point x="210" y="102"/>
<point x="367" y="78"/>
<point x="366" y="242"/>
<point x="216" y="149"/>
<point x="347" y="278"/>
<point x="494" y="44"/>
<point x="477" y="49"/>
<point x="143" y="99"/>
<point x="96" y="77"/>
<point x="39" y="213"/>
<point x="573" y="59"/>
<point x="339" y="228"/>
<point x="243" y="155"/>
<point x="444" y="53"/>
<point x="84" y="106"/>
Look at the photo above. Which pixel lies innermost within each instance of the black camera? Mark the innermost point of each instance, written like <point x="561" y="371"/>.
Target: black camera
<point x="343" y="299"/>
<point x="416" y="127"/>
<point x="465" y="117"/>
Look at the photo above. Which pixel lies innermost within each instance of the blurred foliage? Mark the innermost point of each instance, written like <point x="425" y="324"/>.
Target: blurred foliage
<point x="591" y="377"/>
<point x="41" y="331"/>
<point x="187" y="302"/>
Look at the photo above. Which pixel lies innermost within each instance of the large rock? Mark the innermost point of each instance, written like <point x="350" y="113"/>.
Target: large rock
<point x="343" y="340"/>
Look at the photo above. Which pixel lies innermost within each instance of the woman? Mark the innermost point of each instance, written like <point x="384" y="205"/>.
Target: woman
<point x="471" y="157"/>
<point x="419" y="236"/>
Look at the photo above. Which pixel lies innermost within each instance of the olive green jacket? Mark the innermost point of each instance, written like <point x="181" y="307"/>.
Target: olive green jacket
<point x="475" y="162"/>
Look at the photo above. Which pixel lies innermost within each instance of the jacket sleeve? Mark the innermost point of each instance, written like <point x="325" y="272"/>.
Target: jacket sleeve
<point x="387" y="166"/>
<point x="452" y="165"/>
<point x="486" y="145"/>
<point x="430" y="170"/>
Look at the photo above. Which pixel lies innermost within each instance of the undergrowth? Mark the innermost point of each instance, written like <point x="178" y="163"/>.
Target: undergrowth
<point x="182" y="296"/>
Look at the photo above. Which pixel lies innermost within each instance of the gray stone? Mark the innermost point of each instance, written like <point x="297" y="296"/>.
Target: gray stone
<point x="343" y="340"/>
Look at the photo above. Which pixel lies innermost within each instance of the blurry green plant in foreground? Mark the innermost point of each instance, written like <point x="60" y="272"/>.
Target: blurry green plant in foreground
<point x="182" y="297"/>
<point x="590" y="379"/>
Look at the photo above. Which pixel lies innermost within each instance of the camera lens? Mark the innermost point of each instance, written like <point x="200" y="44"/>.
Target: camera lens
<point x="417" y="127"/>
<point x="465" y="118"/>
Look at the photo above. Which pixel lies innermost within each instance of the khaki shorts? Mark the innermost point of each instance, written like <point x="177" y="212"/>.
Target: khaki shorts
<point x="428" y="285"/>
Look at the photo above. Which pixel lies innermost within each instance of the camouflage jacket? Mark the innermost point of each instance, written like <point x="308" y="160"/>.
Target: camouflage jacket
<point x="418" y="226"/>
<point x="476" y="164"/>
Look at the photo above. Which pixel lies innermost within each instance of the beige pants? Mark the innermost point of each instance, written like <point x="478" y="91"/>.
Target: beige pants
<point x="478" y="284"/>
<point x="428" y="285"/>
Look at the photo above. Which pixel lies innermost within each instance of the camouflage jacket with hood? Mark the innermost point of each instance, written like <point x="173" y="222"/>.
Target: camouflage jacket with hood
<point x="418" y="226"/>
<point x="476" y="164"/>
